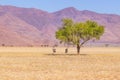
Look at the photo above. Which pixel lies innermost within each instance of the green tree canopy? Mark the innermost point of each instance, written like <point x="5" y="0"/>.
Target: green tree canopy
<point x="80" y="32"/>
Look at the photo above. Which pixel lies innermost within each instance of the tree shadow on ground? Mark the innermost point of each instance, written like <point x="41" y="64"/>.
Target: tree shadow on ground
<point x="66" y="54"/>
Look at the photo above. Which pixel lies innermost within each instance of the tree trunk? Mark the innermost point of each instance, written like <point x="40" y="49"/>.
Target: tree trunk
<point x="78" y="48"/>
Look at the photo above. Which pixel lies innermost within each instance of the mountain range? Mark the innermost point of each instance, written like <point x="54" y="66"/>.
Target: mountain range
<point x="35" y="27"/>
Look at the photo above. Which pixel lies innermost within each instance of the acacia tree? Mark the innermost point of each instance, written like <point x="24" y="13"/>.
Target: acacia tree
<point x="79" y="33"/>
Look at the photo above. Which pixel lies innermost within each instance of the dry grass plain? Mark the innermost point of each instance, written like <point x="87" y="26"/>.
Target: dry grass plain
<point x="38" y="64"/>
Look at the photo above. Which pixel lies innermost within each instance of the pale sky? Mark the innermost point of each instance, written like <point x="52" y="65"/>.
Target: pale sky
<point x="100" y="6"/>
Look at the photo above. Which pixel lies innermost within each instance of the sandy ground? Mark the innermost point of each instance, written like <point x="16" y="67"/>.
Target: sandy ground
<point x="39" y="64"/>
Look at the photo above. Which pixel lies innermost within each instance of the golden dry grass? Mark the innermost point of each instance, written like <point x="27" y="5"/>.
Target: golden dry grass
<point x="38" y="64"/>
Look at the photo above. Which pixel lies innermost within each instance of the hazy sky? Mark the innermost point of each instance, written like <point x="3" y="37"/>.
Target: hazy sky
<point x="101" y="6"/>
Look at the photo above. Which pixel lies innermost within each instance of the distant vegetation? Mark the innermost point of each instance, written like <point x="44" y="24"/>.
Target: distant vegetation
<point x="79" y="33"/>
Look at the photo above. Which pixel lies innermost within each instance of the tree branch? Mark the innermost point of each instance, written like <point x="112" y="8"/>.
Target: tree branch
<point x="84" y="42"/>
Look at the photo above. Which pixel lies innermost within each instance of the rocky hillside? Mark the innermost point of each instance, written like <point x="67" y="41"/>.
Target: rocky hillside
<point x="34" y="27"/>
